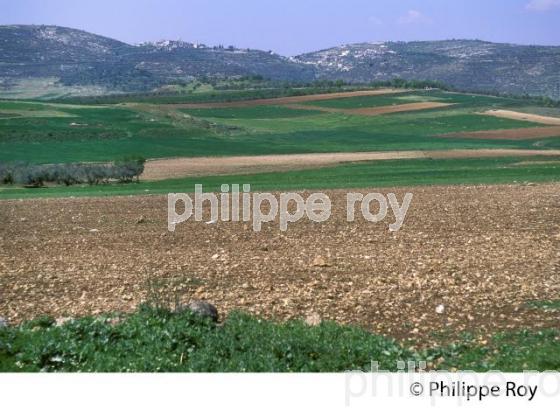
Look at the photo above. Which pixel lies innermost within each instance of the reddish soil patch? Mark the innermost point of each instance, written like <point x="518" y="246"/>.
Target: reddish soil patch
<point x="374" y="111"/>
<point x="483" y="252"/>
<point x="290" y="100"/>
<point x="521" y="116"/>
<point x="388" y="109"/>
<point x="512" y="134"/>
<point x="167" y="168"/>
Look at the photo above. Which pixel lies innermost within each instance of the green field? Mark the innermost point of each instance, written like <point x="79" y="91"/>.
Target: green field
<point x="389" y="173"/>
<point x="206" y="95"/>
<point x="262" y="112"/>
<point x="49" y="132"/>
<point x="462" y="100"/>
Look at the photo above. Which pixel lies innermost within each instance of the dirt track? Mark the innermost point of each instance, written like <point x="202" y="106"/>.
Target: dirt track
<point x="290" y="100"/>
<point x="511" y="134"/>
<point x="515" y="115"/>
<point x="182" y="167"/>
<point x="481" y="252"/>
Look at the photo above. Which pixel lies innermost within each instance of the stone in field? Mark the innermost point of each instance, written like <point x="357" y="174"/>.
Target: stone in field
<point x="313" y="319"/>
<point x="320" y="262"/>
<point x="202" y="308"/>
<point x="61" y="321"/>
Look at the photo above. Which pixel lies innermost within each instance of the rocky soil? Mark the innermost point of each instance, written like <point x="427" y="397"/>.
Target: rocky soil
<point x="466" y="258"/>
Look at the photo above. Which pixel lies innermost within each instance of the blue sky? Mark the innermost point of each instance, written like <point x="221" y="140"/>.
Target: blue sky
<point x="294" y="26"/>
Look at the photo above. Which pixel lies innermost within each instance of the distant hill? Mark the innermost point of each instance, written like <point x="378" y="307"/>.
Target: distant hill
<point x="80" y="58"/>
<point x="72" y="57"/>
<point x="465" y="64"/>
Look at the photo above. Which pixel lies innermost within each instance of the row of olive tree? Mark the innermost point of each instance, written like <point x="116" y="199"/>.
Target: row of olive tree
<point x="70" y="174"/>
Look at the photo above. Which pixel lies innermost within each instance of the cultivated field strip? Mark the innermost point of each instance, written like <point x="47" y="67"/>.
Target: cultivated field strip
<point x="160" y="169"/>
<point x="521" y="116"/>
<point x="373" y="111"/>
<point x="291" y="100"/>
<point x="510" y="134"/>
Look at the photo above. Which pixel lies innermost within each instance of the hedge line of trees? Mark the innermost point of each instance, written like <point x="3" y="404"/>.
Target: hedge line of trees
<point x="412" y="84"/>
<point x="34" y="175"/>
<point x="272" y="90"/>
<point x="257" y="87"/>
<point x="247" y="88"/>
<point x="542" y="101"/>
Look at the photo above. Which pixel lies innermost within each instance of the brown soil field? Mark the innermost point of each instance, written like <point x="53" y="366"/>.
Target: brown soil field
<point x="482" y="252"/>
<point x="388" y="109"/>
<point x="515" y="115"/>
<point x="290" y="100"/>
<point x="374" y="111"/>
<point x="511" y="134"/>
<point x="166" y="168"/>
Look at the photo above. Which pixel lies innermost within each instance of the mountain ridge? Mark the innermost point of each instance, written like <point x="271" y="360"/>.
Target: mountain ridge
<point x="79" y="58"/>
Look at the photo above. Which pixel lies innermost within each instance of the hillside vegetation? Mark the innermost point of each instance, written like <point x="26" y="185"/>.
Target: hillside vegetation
<point x="49" y="60"/>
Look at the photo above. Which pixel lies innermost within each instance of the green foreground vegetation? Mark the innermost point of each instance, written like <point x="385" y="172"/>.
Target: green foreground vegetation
<point x="386" y="173"/>
<point x="156" y="340"/>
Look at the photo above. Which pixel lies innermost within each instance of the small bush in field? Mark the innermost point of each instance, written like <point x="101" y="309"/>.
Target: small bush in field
<point x="71" y="174"/>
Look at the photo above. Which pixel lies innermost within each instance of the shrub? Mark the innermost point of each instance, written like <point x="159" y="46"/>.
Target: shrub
<point x="35" y="175"/>
<point x="6" y="174"/>
<point x="128" y="169"/>
<point x="71" y="174"/>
